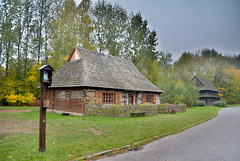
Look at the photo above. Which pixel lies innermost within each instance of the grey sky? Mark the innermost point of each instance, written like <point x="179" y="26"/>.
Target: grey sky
<point x="190" y="25"/>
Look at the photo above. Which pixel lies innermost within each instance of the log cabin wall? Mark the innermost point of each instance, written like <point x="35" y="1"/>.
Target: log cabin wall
<point x="74" y="99"/>
<point x="62" y="98"/>
<point x="50" y="97"/>
<point x="71" y="100"/>
<point x="77" y="100"/>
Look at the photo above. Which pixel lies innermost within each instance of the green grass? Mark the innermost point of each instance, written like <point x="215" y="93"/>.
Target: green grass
<point x="70" y="137"/>
<point x="233" y="105"/>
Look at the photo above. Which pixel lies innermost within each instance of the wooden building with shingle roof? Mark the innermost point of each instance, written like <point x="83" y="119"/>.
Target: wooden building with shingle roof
<point x="102" y="78"/>
<point x="207" y="91"/>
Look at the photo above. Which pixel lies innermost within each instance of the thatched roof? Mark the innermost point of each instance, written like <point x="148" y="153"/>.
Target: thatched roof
<point x="205" y="84"/>
<point x="97" y="70"/>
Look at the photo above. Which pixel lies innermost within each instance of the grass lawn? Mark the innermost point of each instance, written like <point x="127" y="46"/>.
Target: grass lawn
<point x="233" y="105"/>
<point x="70" y="137"/>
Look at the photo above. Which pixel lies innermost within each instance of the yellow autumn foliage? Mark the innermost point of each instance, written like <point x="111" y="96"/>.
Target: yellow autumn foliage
<point x="144" y="104"/>
<point x="18" y="99"/>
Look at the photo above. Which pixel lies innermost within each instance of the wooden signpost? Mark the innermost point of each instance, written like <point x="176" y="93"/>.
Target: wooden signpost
<point x="46" y="81"/>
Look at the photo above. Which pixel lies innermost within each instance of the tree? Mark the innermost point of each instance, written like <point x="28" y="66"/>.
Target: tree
<point x="151" y="68"/>
<point x="27" y="35"/>
<point x="230" y="91"/>
<point x="87" y="25"/>
<point x="8" y="15"/>
<point x="19" y="34"/>
<point x="190" y="95"/>
<point x="176" y="91"/>
<point x="216" y="71"/>
<point x="137" y="38"/>
<point x="165" y="59"/>
<point x="183" y="68"/>
<point x="209" y="53"/>
<point x="42" y="8"/>
<point x="71" y="28"/>
<point x="233" y="60"/>
<point x="111" y="24"/>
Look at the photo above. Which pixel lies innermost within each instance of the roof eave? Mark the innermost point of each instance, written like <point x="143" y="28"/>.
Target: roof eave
<point x="138" y="90"/>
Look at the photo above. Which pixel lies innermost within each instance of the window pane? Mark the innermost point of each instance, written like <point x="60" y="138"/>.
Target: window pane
<point x="104" y="97"/>
<point x="61" y="96"/>
<point x="77" y="94"/>
<point x="149" y="98"/>
<point x="108" y="97"/>
<point x="45" y="76"/>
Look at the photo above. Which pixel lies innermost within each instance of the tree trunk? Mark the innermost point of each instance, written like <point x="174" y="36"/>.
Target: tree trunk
<point x="26" y="54"/>
<point x="18" y="50"/>
<point x="7" y="56"/>
<point x="40" y="32"/>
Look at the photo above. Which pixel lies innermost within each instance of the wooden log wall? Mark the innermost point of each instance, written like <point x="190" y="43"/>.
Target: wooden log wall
<point x="71" y="100"/>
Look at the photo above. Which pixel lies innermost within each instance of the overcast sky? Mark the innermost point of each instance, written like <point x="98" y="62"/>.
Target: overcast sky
<point x="190" y="25"/>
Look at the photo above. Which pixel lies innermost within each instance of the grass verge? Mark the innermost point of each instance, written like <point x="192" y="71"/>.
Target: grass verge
<point x="234" y="105"/>
<point x="70" y="137"/>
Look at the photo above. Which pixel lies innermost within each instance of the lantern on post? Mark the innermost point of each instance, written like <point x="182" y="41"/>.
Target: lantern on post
<point x="46" y="74"/>
<point x="46" y="81"/>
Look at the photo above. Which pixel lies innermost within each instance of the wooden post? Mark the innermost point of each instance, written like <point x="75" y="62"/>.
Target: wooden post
<point x="42" y="125"/>
<point x="46" y="80"/>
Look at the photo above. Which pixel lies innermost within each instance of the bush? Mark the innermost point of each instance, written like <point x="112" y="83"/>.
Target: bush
<point x="162" y="105"/>
<point x="201" y="103"/>
<point x="18" y="99"/>
<point x="220" y="103"/>
<point x="166" y="108"/>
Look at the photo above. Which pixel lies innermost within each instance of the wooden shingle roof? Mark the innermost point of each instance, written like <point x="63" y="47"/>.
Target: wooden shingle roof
<point x="213" y="95"/>
<point x="205" y="84"/>
<point x="96" y="70"/>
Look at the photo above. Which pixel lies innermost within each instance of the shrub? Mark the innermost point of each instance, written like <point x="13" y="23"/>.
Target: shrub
<point x="148" y="108"/>
<point x="220" y="103"/>
<point x="162" y="105"/>
<point x="35" y="102"/>
<point x="162" y="110"/>
<point x="201" y="103"/>
<point x="166" y="108"/>
<point x="18" y="99"/>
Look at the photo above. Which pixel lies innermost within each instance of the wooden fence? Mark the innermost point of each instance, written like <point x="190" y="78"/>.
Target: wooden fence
<point x="166" y="108"/>
<point x="126" y="110"/>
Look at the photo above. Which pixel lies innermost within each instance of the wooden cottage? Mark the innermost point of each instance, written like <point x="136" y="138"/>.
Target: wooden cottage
<point x="207" y="91"/>
<point x="100" y="78"/>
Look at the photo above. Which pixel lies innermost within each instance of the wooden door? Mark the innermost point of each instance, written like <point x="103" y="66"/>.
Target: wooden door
<point x="130" y="98"/>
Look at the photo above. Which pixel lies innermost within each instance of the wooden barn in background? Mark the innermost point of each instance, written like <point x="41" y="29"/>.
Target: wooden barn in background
<point x="207" y="91"/>
<point x="100" y="78"/>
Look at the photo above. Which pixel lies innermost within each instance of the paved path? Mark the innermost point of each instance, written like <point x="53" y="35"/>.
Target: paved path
<point x="214" y="140"/>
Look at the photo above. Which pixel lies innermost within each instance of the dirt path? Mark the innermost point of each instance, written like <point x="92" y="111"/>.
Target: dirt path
<point x="9" y="125"/>
<point x="13" y="110"/>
